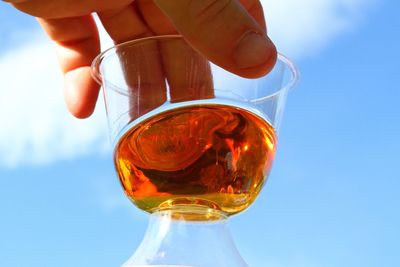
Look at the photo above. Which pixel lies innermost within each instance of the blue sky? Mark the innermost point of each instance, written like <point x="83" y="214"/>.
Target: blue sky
<point x="332" y="199"/>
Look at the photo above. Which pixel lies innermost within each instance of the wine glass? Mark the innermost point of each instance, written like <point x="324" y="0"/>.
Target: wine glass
<point x="193" y="144"/>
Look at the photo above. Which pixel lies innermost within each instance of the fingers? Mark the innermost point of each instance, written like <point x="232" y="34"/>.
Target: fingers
<point x="51" y="9"/>
<point x="155" y="18"/>
<point x="124" y="24"/>
<point x="220" y="29"/>
<point x="188" y="74"/>
<point x="141" y="66"/>
<point x="77" y="44"/>
<point x="224" y="32"/>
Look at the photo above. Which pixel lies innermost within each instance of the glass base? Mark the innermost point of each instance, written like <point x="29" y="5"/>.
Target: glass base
<point x="185" y="236"/>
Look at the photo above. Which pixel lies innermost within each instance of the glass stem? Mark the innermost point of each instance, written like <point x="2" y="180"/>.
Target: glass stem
<point x="187" y="236"/>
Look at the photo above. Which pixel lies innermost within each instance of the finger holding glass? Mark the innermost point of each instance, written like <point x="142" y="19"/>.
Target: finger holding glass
<point x="227" y="32"/>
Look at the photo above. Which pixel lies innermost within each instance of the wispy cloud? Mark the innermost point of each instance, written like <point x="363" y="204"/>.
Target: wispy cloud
<point x="35" y="127"/>
<point x="301" y="28"/>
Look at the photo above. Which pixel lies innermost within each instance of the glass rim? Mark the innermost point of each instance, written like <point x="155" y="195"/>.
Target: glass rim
<point x="96" y="75"/>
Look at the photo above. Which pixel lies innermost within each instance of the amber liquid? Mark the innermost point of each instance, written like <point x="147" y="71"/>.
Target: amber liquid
<point x="202" y="155"/>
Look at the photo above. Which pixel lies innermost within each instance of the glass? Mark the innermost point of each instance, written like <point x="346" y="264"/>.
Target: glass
<point x="193" y="144"/>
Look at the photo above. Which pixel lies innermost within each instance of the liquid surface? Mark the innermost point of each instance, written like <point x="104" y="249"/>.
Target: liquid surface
<point x="203" y="155"/>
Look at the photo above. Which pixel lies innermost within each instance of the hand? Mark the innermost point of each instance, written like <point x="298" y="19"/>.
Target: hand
<point x="231" y="33"/>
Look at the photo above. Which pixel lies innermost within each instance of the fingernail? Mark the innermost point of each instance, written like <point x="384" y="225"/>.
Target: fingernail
<point x="253" y="50"/>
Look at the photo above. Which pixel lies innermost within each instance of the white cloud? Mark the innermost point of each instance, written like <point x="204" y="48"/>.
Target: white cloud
<point x="35" y="126"/>
<point x="301" y="28"/>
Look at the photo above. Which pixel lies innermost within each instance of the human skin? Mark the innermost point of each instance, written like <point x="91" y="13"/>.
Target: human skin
<point x="230" y="33"/>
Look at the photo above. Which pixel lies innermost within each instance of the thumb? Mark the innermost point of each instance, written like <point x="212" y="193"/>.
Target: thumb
<point x="225" y="33"/>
